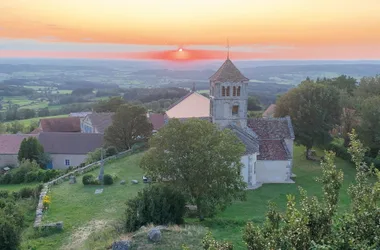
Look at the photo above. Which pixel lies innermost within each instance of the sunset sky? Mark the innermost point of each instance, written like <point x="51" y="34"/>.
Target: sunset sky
<point x="148" y="29"/>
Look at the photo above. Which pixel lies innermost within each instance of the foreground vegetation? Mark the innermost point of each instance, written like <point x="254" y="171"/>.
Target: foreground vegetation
<point x="96" y="224"/>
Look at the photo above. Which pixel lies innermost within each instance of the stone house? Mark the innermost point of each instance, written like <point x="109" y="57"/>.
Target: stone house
<point x="65" y="148"/>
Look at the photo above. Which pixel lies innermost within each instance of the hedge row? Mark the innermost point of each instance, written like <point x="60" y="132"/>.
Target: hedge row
<point x="24" y="193"/>
<point x="343" y="153"/>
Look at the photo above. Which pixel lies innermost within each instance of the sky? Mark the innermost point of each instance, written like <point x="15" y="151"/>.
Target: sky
<point x="190" y="29"/>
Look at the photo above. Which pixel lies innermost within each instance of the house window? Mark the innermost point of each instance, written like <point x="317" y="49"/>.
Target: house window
<point x="223" y="91"/>
<point x="238" y="91"/>
<point x="235" y="109"/>
<point x="234" y="91"/>
<point x="228" y="91"/>
<point x="67" y="162"/>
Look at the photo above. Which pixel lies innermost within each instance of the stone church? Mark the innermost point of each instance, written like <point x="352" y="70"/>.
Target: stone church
<point x="268" y="141"/>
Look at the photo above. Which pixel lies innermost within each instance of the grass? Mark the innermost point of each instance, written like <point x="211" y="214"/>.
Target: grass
<point x="16" y="187"/>
<point x="82" y="211"/>
<point x="27" y="122"/>
<point x="88" y="218"/>
<point x="229" y="224"/>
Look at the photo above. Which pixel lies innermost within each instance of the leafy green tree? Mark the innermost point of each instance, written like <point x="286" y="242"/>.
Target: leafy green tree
<point x="30" y="149"/>
<point x="199" y="159"/>
<point x="129" y="125"/>
<point x="109" y="105"/>
<point x="369" y="86"/>
<point x="368" y="128"/>
<point x="43" y="112"/>
<point x="314" y="110"/>
<point x="253" y="103"/>
<point x="343" y="82"/>
<point x="15" y="127"/>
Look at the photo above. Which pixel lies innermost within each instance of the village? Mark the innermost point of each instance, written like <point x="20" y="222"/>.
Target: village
<point x="219" y="161"/>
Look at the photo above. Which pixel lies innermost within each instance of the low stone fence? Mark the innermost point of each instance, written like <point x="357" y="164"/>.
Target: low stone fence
<point x="62" y="178"/>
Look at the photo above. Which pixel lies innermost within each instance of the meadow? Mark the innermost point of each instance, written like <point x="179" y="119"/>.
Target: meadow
<point x="88" y="218"/>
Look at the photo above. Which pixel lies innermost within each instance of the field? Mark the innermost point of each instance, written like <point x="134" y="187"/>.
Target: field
<point x="86" y="215"/>
<point x="27" y="122"/>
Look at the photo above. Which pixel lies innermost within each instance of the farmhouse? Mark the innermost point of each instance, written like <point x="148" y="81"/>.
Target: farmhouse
<point x="65" y="148"/>
<point x="62" y="124"/>
<point x="268" y="141"/>
<point x="9" y="147"/>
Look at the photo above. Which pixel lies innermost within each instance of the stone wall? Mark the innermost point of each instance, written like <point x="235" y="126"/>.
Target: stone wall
<point x="62" y="178"/>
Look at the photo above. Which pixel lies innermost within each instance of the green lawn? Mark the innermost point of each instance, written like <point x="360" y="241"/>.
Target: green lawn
<point x="83" y="211"/>
<point x="27" y="122"/>
<point x="16" y="187"/>
<point x="229" y="224"/>
<point x="85" y="214"/>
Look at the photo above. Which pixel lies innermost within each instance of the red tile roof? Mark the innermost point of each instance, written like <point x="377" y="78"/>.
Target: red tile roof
<point x="157" y="120"/>
<point x="273" y="150"/>
<point x="272" y="128"/>
<point x="10" y="144"/>
<point x="269" y="112"/>
<point x="228" y="73"/>
<point x="64" y="124"/>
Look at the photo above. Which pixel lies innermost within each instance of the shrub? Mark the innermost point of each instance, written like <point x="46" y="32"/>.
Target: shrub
<point x="6" y="178"/>
<point x="51" y="174"/>
<point x="4" y="194"/>
<point x="107" y="179"/>
<point x="110" y="151"/>
<point x="88" y="179"/>
<point x="31" y="176"/>
<point x="155" y="204"/>
<point x="9" y="234"/>
<point x="26" y="192"/>
<point x="93" y="156"/>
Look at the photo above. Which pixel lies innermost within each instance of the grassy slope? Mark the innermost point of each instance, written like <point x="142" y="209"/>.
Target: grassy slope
<point x="229" y="224"/>
<point x="84" y="213"/>
<point x="77" y="205"/>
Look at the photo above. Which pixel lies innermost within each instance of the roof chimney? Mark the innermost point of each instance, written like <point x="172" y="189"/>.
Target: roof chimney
<point x="194" y="87"/>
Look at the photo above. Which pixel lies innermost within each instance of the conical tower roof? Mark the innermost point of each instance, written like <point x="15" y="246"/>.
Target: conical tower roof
<point x="228" y="73"/>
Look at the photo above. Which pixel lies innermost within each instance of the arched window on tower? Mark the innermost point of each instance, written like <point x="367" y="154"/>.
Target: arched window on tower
<point x="238" y="91"/>
<point x="228" y="91"/>
<point x="223" y="91"/>
<point x="234" y="91"/>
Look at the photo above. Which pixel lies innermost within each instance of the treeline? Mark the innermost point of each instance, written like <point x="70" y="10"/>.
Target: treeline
<point x="6" y="90"/>
<point x="326" y="110"/>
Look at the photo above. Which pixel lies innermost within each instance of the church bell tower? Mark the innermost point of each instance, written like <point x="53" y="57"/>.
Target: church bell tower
<point x="229" y="97"/>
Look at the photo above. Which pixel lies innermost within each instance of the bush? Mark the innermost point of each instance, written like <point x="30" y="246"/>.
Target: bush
<point x="89" y="179"/>
<point x="6" y="178"/>
<point x="9" y="234"/>
<point x="51" y="174"/>
<point x="31" y="176"/>
<point x="110" y="151"/>
<point x="27" y="192"/>
<point x="155" y="204"/>
<point x="4" y="194"/>
<point x="107" y="179"/>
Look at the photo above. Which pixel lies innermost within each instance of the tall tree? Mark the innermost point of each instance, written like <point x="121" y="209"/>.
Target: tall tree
<point x="369" y="86"/>
<point x="129" y="125"/>
<point x="109" y="105"/>
<point x="199" y="159"/>
<point x="368" y="129"/>
<point x="30" y="149"/>
<point x="314" y="110"/>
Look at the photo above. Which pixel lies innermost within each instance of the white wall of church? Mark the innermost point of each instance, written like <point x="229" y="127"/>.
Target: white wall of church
<point x="290" y="143"/>
<point x="272" y="171"/>
<point x="244" y="170"/>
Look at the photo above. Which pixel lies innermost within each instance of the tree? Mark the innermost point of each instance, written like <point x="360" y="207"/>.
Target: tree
<point x="342" y="82"/>
<point x="314" y="110"/>
<point x="15" y="127"/>
<point x="253" y="103"/>
<point x="129" y="125"/>
<point x="31" y="149"/>
<point x="43" y="112"/>
<point x="369" y="86"/>
<point x="199" y="159"/>
<point x="110" y="105"/>
<point x="369" y="126"/>
<point x="82" y="91"/>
